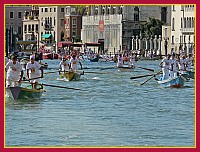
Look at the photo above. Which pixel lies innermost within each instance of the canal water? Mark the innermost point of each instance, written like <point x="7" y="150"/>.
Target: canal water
<point x="109" y="110"/>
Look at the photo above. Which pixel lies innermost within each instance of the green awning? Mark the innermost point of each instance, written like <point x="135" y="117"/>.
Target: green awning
<point x="46" y="36"/>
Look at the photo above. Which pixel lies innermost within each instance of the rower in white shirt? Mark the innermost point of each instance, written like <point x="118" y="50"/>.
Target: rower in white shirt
<point x="14" y="72"/>
<point x="33" y="71"/>
<point x="165" y="64"/>
<point x="73" y="64"/>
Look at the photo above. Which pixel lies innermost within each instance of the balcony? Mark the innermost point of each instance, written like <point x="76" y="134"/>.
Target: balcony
<point x="187" y="30"/>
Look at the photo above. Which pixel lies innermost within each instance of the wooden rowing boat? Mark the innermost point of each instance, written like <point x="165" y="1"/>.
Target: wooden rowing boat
<point x="176" y="82"/>
<point x="70" y="75"/>
<point x="24" y="92"/>
<point x="126" y="68"/>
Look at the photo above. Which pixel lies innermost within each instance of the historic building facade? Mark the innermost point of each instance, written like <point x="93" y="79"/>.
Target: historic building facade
<point x="14" y="15"/>
<point x="183" y="28"/>
<point x="116" y="25"/>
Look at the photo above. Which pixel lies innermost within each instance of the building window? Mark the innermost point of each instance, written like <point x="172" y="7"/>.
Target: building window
<point x="74" y="32"/>
<point x="173" y="7"/>
<point x="54" y="9"/>
<point x="164" y="14"/>
<point x="136" y="14"/>
<point x="50" y="10"/>
<point x="36" y="28"/>
<point x="29" y="28"/>
<point x="54" y="21"/>
<point x="173" y="24"/>
<point x="185" y="22"/>
<point x="62" y="10"/>
<point x="165" y="32"/>
<point x="172" y="39"/>
<point x="61" y="22"/>
<point x="25" y="28"/>
<point x="74" y="21"/>
<point x="32" y="27"/>
<point x="46" y="10"/>
<point x="19" y="14"/>
<point x="11" y="15"/>
<point x="41" y="9"/>
<point x="19" y="30"/>
<point x="181" y="22"/>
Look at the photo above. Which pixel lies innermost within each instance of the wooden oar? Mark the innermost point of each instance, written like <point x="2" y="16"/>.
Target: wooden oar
<point x="151" y="77"/>
<point x="95" y="72"/>
<point x="145" y="68"/>
<point x="50" y="85"/>
<point x="141" y="76"/>
<point x="51" y="72"/>
<point x="24" y="79"/>
<point x="108" y="68"/>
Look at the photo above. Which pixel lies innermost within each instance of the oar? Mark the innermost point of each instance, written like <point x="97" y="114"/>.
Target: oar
<point x="141" y="76"/>
<point x="24" y="79"/>
<point x="151" y="77"/>
<point x="95" y="72"/>
<point x="107" y="68"/>
<point x="51" y="72"/>
<point x="145" y="68"/>
<point x="50" y="85"/>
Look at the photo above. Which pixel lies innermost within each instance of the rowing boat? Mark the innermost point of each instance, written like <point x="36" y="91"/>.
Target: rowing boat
<point x="126" y="68"/>
<point x="70" y="75"/>
<point x="175" y="82"/>
<point x="24" y="92"/>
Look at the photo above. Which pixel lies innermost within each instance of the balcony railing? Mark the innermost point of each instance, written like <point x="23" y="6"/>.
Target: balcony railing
<point x="187" y="30"/>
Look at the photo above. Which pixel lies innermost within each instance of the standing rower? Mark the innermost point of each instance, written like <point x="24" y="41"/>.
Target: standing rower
<point x="14" y="72"/>
<point x="165" y="63"/>
<point x="73" y="64"/>
<point x="33" y="71"/>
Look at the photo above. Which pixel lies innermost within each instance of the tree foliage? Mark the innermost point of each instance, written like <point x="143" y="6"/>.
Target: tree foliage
<point x="153" y="27"/>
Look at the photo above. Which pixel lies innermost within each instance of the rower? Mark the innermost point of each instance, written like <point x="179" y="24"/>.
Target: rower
<point x="164" y="64"/>
<point x="189" y="62"/>
<point x="120" y="61"/>
<point x="14" y="72"/>
<point x="73" y="63"/>
<point x="33" y="71"/>
<point x="173" y="66"/>
<point x="63" y="65"/>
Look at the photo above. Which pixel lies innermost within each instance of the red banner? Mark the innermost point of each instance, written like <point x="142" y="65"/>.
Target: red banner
<point x="101" y="25"/>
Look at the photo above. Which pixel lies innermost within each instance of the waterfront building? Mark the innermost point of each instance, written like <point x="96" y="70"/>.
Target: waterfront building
<point x="51" y="25"/>
<point x="14" y="15"/>
<point x="73" y="24"/>
<point x="183" y="28"/>
<point x="30" y="30"/>
<point x="114" y="26"/>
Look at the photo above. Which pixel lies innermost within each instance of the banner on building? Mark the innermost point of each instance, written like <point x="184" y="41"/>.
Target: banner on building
<point x="101" y="25"/>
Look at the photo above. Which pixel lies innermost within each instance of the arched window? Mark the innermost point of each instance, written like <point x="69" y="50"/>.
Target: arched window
<point x="136" y="14"/>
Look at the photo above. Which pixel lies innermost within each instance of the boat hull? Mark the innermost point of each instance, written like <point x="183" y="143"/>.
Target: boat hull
<point x="176" y="82"/>
<point x="50" y="56"/>
<point x="24" y="92"/>
<point x="126" y="68"/>
<point x="70" y="76"/>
